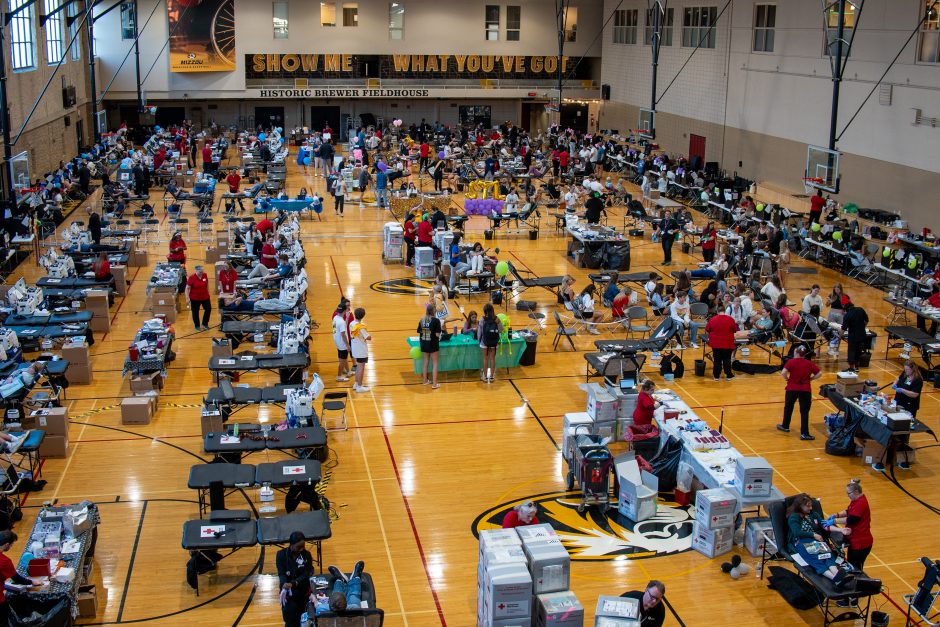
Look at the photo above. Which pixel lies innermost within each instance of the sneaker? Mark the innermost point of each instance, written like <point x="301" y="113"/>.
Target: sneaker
<point x="904" y="466"/>
<point x="338" y="574"/>
<point x="694" y="345"/>
<point x="361" y="388"/>
<point x="782" y="428"/>
<point x="731" y="378"/>
<point x="593" y="331"/>
<point x="357" y="569"/>
<point x="716" y="378"/>
<point x="482" y="376"/>
<point x="878" y="467"/>
<point x="806" y="436"/>
<point x="342" y="379"/>
<point x="435" y="386"/>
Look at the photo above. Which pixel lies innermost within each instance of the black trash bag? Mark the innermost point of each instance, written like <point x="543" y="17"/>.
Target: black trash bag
<point x="200" y="563"/>
<point x="842" y="440"/>
<point x="26" y="611"/>
<point x="298" y="494"/>
<point x="666" y="464"/>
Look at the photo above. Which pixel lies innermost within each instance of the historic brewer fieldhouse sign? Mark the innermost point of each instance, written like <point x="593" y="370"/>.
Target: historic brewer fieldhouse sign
<point x="441" y="66"/>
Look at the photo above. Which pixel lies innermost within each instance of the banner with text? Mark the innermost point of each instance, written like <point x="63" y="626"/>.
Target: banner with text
<point x="202" y="35"/>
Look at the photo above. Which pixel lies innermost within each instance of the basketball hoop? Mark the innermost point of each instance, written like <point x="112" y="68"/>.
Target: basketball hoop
<point x="811" y="183"/>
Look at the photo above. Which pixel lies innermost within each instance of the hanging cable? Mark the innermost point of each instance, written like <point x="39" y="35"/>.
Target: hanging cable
<point x="156" y="5"/>
<point x="593" y="41"/>
<point x="930" y="9"/>
<point x="165" y="44"/>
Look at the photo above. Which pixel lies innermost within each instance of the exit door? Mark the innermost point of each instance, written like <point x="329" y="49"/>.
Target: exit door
<point x="323" y="116"/>
<point x="269" y="117"/>
<point x="696" y="151"/>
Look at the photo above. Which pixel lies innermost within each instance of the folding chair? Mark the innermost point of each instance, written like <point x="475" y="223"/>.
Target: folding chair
<point x="334" y="402"/>
<point x="561" y="331"/>
<point x="204" y="229"/>
<point x="536" y="322"/>
<point x="638" y="313"/>
<point x="150" y="231"/>
<point x="177" y="224"/>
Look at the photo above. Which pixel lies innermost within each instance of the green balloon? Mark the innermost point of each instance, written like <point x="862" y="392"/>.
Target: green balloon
<point x="416" y="352"/>
<point x="760" y="206"/>
<point x="912" y="263"/>
<point x="502" y="268"/>
<point x="816" y="227"/>
<point x="504" y="319"/>
<point x="837" y="236"/>
<point x="886" y="252"/>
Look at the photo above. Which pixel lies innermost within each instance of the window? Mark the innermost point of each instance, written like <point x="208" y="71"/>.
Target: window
<point x="279" y="17"/>
<point x="665" y="32"/>
<point x="55" y="48"/>
<point x="513" y="22"/>
<point x="327" y="14"/>
<point x="697" y="28"/>
<point x="396" y="21"/>
<point x="350" y="14"/>
<point x="571" y="24"/>
<point x="832" y="28"/>
<point x="22" y="38"/>
<point x="491" y="23"/>
<point x="765" y="17"/>
<point x="128" y="20"/>
<point x="73" y="14"/>
<point x="620" y="27"/>
<point x="928" y="46"/>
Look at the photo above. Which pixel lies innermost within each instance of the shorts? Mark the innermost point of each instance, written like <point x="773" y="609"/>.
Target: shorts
<point x="362" y="360"/>
<point x="342" y="353"/>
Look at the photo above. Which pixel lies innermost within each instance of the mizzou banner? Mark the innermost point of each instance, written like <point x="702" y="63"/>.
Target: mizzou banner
<point x="202" y="35"/>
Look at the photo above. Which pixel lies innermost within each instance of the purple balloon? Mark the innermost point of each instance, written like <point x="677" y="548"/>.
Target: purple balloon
<point x="440" y="155"/>
<point x="381" y="166"/>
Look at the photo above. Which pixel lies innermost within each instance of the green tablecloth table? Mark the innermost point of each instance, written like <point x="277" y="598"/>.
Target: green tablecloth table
<point x="462" y="352"/>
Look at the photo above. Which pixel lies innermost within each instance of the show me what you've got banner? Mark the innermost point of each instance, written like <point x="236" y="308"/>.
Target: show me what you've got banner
<point x="290" y="66"/>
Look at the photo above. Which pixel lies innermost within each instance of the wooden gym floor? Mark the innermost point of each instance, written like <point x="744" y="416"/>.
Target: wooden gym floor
<point x="417" y="466"/>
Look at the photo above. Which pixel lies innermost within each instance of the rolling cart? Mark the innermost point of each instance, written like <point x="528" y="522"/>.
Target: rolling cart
<point x="591" y="465"/>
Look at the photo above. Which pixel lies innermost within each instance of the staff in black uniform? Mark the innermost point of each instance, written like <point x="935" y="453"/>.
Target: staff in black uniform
<point x="668" y="227"/>
<point x="294" y="570"/>
<point x="652" y="612"/>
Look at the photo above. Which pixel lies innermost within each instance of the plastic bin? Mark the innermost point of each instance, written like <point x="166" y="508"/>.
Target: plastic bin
<point x="531" y="344"/>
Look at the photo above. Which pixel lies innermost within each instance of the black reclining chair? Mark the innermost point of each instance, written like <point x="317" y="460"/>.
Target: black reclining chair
<point x="775" y="548"/>
<point x="550" y="283"/>
<point x="368" y="616"/>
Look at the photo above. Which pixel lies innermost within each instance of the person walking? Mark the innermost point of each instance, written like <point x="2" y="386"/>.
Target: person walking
<point x="94" y="227"/>
<point x="429" y="335"/>
<point x="339" y="196"/>
<point x="721" y="329"/>
<point x="197" y="295"/>
<point x="668" y="227"/>
<point x="799" y="372"/>
<point x="489" y="332"/>
<point x="855" y="521"/>
<point x="855" y="324"/>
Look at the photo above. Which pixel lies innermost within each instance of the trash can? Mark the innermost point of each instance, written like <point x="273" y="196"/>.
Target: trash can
<point x="531" y="344"/>
<point x="533" y="234"/>
<point x="699" y="367"/>
<point x="879" y="619"/>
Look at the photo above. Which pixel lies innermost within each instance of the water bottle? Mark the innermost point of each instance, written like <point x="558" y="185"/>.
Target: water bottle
<point x="291" y="420"/>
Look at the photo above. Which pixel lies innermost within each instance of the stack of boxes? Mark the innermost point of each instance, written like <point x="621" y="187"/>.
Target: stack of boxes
<point x="138" y="410"/>
<point x="559" y="609"/>
<point x="96" y="301"/>
<point x="638" y="489"/>
<point x="165" y="302"/>
<point x="504" y="585"/>
<point x="120" y="279"/>
<point x="75" y="351"/>
<point x="713" y="529"/>
<point x="610" y="408"/>
<point x="548" y="560"/>
<point x="424" y="262"/>
<point x="753" y="477"/>
<point x="55" y="422"/>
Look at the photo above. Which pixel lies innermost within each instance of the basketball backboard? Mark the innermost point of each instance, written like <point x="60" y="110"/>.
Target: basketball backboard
<point x="646" y="126"/>
<point x="822" y="169"/>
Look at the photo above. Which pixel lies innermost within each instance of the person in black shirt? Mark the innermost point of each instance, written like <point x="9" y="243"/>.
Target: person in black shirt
<point x="94" y="227"/>
<point x="854" y="323"/>
<point x="84" y="178"/>
<point x="593" y="208"/>
<point x="429" y="335"/>
<point x="908" y="388"/>
<point x="294" y="570"/>
<point x="668" y="227"/>
<point x="652" y="612"/>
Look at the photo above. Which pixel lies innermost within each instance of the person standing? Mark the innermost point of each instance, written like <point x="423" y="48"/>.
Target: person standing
<point x="798" y="373"/>
<point x="424" y="150"/>
<point x="84" y="177"/>
<point x="197" y="295"/>
<point x="339" y="195"/>
<point x="652" y="612"/>
<point x="411" y="231"/>
<point x="94" y="227"/>
<point x="359" y="335"/>
<point x="816" y="204"/>
<point x="341" y="339"/>
<point x="856" y="522"/>
<point x="234" y="181"/>
<point x="645" y="404"/>
<point x="365" y="179"/>
<point x="381" y="188"/>
<point x="908" y="388"/>
<point x="206" y="158"/>
<point x="294" y="570"/>
<point x="429" y="335"/>
<point x="855" y="324"/>
<point x="721" y="329"/>
<point x="489" y="332"/>
<point x="668" y="227"/>
<point x="709" y="239"/>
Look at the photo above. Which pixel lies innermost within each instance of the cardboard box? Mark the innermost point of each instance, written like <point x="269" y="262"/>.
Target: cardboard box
<point x="221" y="348"/>
<point x="905" y="454"/>
<point x="212" y="254"/>
<point x="165" y="297"/>
<point x="87" y="601"/>
<point x="147" y="382"/>
<point x="136" y="410"/>
<point x="616" y="611"/>
<point x="549" y="564"/>
<point x="495" y="538"/>
<point x="639" y="489"/>
<point x="130" y="244"/>
<point x="169" y="312"/>
<point x="211" y="421"/>
<point x="500" y="556"/>
<point x="872" y="452"/>
<point x="712" y="542"/>
<point x="80" y="374"/>
<point x="100" y="324"/>
<point x="140" y="258"/>
<point x="96" y="301"/>
<point x="849" y="387"/>
<point x="506" y="592"/>
<point x="601" y="405"/>
<point x="575" y="422"/>
<point x="753" y="476"/>
<point x="54" y="446"/>
<point x="715" y="508"/>
<point x="52" y="420"/>
<point x="75" y="353"/>
<point x="754" y="536"/>
<point x="120" y="279"/>
<point x="536" y="533"/>
<point x="559" y="609"/>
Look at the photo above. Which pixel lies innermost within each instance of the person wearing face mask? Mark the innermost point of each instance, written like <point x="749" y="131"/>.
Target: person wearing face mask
<point x="652" y="611"/>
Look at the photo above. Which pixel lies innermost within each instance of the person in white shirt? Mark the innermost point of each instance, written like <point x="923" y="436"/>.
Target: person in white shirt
<point x="340" y="338"/>
<point x="585" y="308"/>
<point x="662" y="185"/>
<point x="650" y="285"/>
<point x="813" y="298"/>
<point x="772" y="289"/>
<point x="646" y="185"/>
<point x="359" y="348"/>
<point x="571" y="197"/>
<point x="747" y="307"/>
<point x="733" y="309"/>
<point x="680" y="311"/>
<point x="512" y="200"/>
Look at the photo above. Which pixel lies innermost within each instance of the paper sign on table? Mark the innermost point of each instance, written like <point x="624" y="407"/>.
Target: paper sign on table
<point x="295" y="470"/>
<point x="229" y="439"/>
<point x="210" y="531"/>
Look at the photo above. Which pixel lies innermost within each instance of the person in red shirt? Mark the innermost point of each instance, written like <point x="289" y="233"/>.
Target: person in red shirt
<point x="934" y="301"/>
<point x="709" y="238"/>
<point x="563" y="157"/>
<point x="411" y="230"/>
<point x="269" y="253"/>
<point x="226" y="281"/>
<point x="7" y="572"/>
<point x="425" y="232"/>
<point x="799" y="372"/>
<point x="177" y="249"/>
<point x="206" y="158"/>
<point x="521" y="515"/>
<point x="645" y="404"/>
<point x="197" y="295"/>
<point x="816" y="204"/>
<point x="264" y="227"/>
<point x="424" y="152"/>
<point x="856" y="518"/>
<point x="721" y="330"/>
<point x="102" y="268"/>
<point x="234" y="180"/>
<point x="159" y="158"/>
